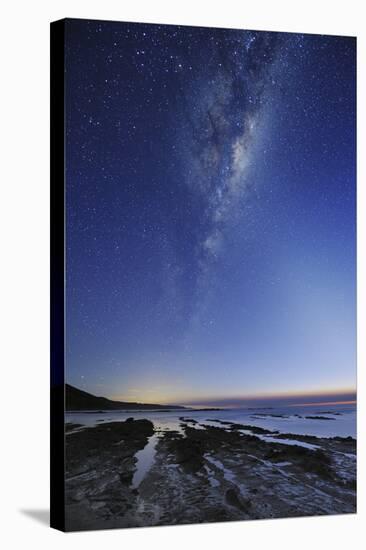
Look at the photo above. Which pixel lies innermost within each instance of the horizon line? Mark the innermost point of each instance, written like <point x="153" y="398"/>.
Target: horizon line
<point x="345" y="395"/>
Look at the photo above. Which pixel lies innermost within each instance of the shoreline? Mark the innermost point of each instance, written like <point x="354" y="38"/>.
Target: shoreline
<point x="202" y="473"/>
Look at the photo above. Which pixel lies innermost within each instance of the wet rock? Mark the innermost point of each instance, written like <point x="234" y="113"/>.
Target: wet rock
<point x="253" y="429"/>
<point x="190" y="420"/>
<point x="351" y="484"/>
<point x="318" y="418"/>
<point x="234" y="499"/>
<point x="189" y="454"/>
<point x="182" y="486"/>
<point x="311" y="461"/>
<point x="72" y="426"/>
<point x="126" y="477"/>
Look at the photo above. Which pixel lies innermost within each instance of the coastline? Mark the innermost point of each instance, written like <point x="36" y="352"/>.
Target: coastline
<point x="131" y="473"/>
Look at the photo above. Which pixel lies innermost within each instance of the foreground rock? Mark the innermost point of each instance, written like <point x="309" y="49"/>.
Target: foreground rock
<point x="100" y="463"/>
<point x="204" y="474"/>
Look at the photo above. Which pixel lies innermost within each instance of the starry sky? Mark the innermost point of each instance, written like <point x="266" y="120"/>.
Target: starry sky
<point x="210" y="213"/>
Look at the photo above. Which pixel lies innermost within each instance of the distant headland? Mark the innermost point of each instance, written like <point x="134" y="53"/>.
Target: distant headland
<point x="79" y="400"/>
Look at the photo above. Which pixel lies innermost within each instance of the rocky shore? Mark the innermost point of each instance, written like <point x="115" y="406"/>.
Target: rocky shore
<point x="202" y="473"/>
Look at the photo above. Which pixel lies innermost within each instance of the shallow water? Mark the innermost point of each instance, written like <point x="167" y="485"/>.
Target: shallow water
<point x="228" y="475"/>
<point x="342" y="423"/>
<point x="286" y="420"/>
<point x="145" y="459"/>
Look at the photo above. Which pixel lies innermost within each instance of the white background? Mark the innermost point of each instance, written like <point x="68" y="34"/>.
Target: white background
<point x="24" y="305"/>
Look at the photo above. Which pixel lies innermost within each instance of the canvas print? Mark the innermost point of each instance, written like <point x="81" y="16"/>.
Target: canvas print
<point x="209" y="355"/>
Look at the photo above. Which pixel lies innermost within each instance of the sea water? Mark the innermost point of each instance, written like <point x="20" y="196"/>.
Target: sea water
<point x="332" y="421"/>
<point x="336" y="420"/>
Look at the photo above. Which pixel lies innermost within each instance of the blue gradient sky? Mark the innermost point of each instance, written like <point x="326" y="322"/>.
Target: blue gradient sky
<point x="210" y="190"/>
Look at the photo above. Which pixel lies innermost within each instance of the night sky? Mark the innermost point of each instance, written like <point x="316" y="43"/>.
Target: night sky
<point x="210" y="212"/>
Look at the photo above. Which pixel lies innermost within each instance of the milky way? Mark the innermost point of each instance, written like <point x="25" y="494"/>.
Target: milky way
<point x="210" y="222"/>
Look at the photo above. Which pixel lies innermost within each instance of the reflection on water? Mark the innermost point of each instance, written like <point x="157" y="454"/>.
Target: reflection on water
<point x="294" y="420"/>
<point x="145" y="459"/>
<point x="287" y="420"/>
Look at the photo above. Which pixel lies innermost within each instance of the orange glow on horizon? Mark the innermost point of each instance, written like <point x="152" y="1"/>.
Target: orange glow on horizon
<point x="207" y="400"/>
<point x="267" y="396"/>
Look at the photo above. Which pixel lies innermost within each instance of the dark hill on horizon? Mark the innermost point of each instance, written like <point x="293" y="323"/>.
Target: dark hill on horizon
<point x="79" y="400"/>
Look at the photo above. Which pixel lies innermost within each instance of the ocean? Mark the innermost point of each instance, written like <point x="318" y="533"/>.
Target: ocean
<point x="327" y="420"/>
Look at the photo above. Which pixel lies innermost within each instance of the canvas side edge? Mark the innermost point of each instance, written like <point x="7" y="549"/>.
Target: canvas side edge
<point x="57" y="271"/>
